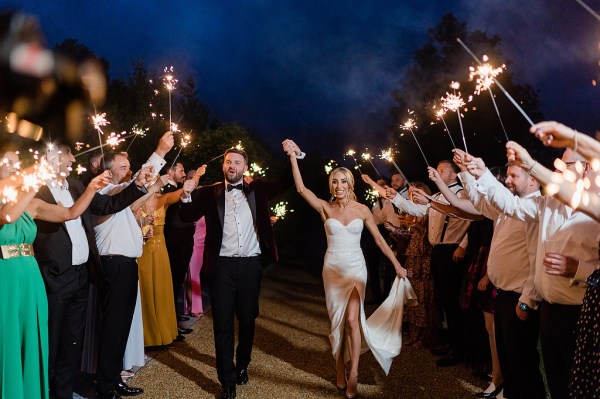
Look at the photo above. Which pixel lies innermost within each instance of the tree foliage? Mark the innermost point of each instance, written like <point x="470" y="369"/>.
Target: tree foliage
<point x="435" y="65"/>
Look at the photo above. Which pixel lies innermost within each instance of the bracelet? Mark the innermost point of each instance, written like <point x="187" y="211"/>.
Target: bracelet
<point x="531" y="167"/>
<point x="575" y="139"/>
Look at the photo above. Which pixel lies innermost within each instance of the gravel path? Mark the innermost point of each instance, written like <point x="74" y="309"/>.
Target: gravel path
<point x="292" y="357"/>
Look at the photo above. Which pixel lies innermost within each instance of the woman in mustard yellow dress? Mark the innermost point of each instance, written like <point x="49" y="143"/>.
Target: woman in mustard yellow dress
<point x="156" y="286"/>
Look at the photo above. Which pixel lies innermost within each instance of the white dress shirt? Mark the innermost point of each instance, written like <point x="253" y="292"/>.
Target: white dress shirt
<point x="511" y="261"/>
<point x="561" y="229"/>
<point x="120" y="233"/>
<point x="240" y="237"/>
<point x="456" y="230"/>
<point x="75" y="230"/>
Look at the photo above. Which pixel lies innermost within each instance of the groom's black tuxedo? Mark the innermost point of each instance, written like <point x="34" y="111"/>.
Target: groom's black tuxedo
<point x="66" y="284"/>
<point x="234" y="281"/>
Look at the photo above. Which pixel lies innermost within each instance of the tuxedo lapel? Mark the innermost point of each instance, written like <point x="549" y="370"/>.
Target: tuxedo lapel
<point x="220" y="201"/>
<point x="45" y="195"/>
<point x="251" y="202"/>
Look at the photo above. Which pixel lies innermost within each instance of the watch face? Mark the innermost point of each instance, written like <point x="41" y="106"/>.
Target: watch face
<point x="524" y="307"/>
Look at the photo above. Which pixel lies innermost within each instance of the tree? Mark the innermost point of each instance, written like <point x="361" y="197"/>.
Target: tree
<point x="438" y="63"/>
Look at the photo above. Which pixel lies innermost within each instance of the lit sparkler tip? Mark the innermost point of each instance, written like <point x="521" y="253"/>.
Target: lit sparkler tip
<point x="409" y="125"/>
<point x="350" y="152"/>
<point x="455" y="85"/>
<point x="99" y="120"/>
<point x="80" y="169"/>
<point x="239" y="146"/>
<point x="366" y="156"/>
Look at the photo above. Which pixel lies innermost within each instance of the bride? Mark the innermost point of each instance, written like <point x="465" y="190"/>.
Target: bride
<point x="345" y="277"/>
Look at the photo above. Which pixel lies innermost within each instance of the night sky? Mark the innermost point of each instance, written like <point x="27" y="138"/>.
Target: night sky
<point x="323" y="70"/>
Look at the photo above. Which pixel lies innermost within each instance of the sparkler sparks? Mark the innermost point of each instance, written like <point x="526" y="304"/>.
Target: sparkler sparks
<point x="486" y="76"/>
<point x="351" y="153"/>
<point x="331" y="165"/>
<point x="170" y="82"/>
<point x="387" y="155"/>
<point x="454" y="102"/>
<point x="114" y="139"/>
<point x="371" y="196"/>
<point x="280" y="209"/>
<point x="255" y="169"/>
<point x="410" y="125"/>
<point x="512" y="100"/>
<point x="80" y="169"/>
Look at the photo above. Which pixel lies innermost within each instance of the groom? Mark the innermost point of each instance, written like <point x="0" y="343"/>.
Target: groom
<point x="238" y="230"/>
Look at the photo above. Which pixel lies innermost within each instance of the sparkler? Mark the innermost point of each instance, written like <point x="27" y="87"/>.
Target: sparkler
<point x="99" y="120"/>
<point x="137" y="131"/>
<point x="80" y="169"/>
<point x="387" y="155"/>
<point x="485" y="78"/>
<point x="512" y="100"/>
<point x="409" y="125"/>
<point x="237" y="146"/>
<point x="588" y="9"/>
<point x="185" y="140"/>
<point x="280" y="209"/>
<point x="169" y="81"/>
<point x="114" y="139"/>
<point x="453" y="103"/>
<point x="352" y="153"/>
<point x="367" y="157"/>
<point x="440" y="115"/>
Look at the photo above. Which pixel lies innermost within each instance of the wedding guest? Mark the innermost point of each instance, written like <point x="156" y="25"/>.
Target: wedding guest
<point x="567" y="253"/>
<point x="120" y="241"/>
<point x="68" y="258"/>
<point x="24" y="348"/>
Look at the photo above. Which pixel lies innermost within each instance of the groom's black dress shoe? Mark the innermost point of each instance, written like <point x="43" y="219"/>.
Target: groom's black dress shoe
<point x="242" y="377"/>
<point x="108" y="395"/>
<point x="125" y="390"/>
<point x="228" y="392"/>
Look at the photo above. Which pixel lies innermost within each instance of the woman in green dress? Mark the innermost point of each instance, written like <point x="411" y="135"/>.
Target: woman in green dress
<point x="23" y="303"/>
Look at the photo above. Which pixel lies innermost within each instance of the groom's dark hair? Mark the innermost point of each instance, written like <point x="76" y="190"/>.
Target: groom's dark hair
<point x="238" y="151"/>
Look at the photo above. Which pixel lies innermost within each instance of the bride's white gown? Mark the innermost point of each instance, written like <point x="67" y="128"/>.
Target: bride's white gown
<point x="344" y="269"/>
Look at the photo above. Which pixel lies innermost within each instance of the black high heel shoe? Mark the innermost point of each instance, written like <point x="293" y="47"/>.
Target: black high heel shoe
<point x="492" y="394"/>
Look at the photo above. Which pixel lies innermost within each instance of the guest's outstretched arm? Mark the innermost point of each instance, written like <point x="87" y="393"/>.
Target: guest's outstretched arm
<point x="557" y="135"/>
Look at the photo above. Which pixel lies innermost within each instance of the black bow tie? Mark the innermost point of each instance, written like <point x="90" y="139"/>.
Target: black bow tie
<point x="235" y="186"/>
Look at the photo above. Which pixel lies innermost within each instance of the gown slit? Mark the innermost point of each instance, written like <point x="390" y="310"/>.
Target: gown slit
<point x="344" y="271"/>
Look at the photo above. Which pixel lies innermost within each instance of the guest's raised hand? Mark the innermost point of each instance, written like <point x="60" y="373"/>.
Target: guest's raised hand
<point x="553" y="134"/>
<point x="418" y="196"/>
<point x="165" y="144"/>
<point x="518" y="155"/>
<point x="434" y="175"/>
<point x="144" y="176"/>
<point x="189" y="186"/>
<point x="475" y="166"/>
<point x="367" y="179"/>
<point x="459" y="159"/>
<point x="100" y="181"/>
<point x="199" y="173"/>
<point x="390" y="193"/>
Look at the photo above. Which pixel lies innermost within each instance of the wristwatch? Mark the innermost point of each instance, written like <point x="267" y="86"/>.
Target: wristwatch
<point x="523" y="306"/>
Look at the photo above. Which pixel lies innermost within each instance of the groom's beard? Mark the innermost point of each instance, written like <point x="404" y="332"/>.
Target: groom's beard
<point x="236" y="178"/>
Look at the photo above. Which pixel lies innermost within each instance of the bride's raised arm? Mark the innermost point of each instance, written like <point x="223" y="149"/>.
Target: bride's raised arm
<point x="309" y="196"/>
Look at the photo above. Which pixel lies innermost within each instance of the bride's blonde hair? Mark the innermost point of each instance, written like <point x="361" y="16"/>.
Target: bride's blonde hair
<point x="349" y="177"/>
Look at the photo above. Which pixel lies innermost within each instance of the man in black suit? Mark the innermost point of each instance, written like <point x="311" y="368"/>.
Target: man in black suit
<point x="179" y="237"/>
<point x="238" y="230"/>
<point x="68" y="259"/>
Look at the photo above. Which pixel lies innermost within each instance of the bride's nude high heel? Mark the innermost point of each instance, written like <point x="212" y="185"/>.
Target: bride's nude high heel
<point x="352" y="383"/>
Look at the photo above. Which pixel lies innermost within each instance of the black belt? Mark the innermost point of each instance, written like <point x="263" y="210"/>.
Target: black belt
<point x="118" y="257"/>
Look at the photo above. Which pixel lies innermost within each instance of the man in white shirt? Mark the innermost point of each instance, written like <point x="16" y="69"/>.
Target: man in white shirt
<point x="448" y="235"/>
<point x="120" y="242"/>
<point x="68" y="258"/>
<point x="238" y="230"/>
<point x="511" y="269"/>
<point x="567" y="253"/>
